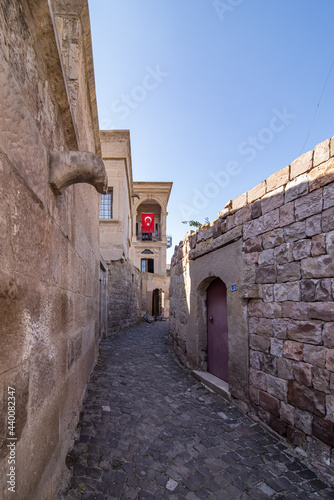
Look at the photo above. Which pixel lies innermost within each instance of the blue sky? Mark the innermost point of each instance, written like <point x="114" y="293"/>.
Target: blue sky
<point x="218" y="95"/>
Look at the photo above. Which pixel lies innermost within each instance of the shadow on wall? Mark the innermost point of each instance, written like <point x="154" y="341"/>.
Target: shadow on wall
<point x="274" y="250"/>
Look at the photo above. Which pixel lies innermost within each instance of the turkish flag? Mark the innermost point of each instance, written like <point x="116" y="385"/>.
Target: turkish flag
<point x="148" y="223"/>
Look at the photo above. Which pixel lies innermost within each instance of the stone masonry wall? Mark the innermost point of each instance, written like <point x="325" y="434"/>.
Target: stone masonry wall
<point x="49" y="246"/>
<point x="124" y="296"/>
<point x="286" y="225"/>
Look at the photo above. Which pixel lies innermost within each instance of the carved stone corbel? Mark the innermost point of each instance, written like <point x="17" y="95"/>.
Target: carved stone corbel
<point x="72" y="167"/>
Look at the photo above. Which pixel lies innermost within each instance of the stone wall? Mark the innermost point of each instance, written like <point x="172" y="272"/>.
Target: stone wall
<point x="124" y="296"/>
<point x="49" y="245"/>
<point x="283" y="306"/>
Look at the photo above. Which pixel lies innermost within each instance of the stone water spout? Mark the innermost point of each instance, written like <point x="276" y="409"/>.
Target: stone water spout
<point x="72" y="167"/>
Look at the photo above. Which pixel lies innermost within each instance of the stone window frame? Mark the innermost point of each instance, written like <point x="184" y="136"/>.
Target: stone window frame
<point x="106" y="205"/>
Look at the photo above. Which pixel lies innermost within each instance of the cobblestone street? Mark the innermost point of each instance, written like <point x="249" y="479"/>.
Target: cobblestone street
<point x="149" y="430"/>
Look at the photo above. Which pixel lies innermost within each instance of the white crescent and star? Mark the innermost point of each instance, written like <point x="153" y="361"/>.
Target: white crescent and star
<point x="149" y="220"/>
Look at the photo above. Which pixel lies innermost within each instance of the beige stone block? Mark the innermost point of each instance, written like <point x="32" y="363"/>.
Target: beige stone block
<point x="257" y="192"/>
<point x="250" y="291"/>
<point x="321" y="379"/>
<point x="330" y="360"/>
<point x="329" y="196"/>
<point x="268" y="293"/>
<point x="301" y="165"/>
<point x="259" y="343"/>
<point x="240" y="201"/>
<point x="280" y="328"/>
<point x="269" y="403"/>
<point x="264" y="327"/>
<point x="284" y="253"/>
<point x="309" y="205"/>
<point x="323" y="291"/>
<point x="269" y="221"/>
<point x="309" y="332"/>
<point x="313" y="225"/>
<point x="288" y="272"/>
<point x="287" y="291"/>
<point x="306" y="398"/>
<point x="266" y="257"/>
<point x="332" y="147"/>
<point x="287" y="413"/>
<point x="261" y="309"/>
<point x="285" y="368"/>
<point x="330" y="407"/>
<point x="295" y="310"/>
<point x="321" y="152"/>
<point x="307" y="289"/>
<point x="293" y="350"/>
<point x="251" y="258"/>
<point x="318" y="267"/>
<point x="243" y="215"/>
<point x="302" y="249"/>
<point x="276" y="347"/>
<point x="273" y="238"/>
<point x="327" y="221"/>
<point x="315" y="355"/>
<point x="321" y="175"/>
<point x="265" y="274"/>
<point x="328" y="335"/>
<point x="303" y="421"/>
<point x="252" y="245"/>
<point x="318" y="246"/>
<point x="295" y="231"/>
<point x="278" y="179"/>
<point x="272" y="200"/>
<point x="277" y="387"/>
<point x="303" y="373"/>
<point x="258" y="379"/>
<point x="322" y="310"/>
<point x="297" y="187"/>
<point x="256" y="209"/>
<point x="253" y="324"/>
<point x="287" y="214"/>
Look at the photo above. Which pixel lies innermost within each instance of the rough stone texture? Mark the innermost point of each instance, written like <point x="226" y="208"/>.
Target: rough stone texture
<point x="318" y="246"/>
<point x="278" y="179"/>
<point x="309" y="205"/>
<point x="301" y="165"/>
<point x="288" y="272"/>
<point x="124" y="296"/>
<point x="288" y="286"/>
<point x="257" y="192"/>
<point x="322" y="175"/>
<point x="306" y="399"/>
<point x="321" y="152"/>
<point x="49" y="294"/>
<point x="296" y="188"/>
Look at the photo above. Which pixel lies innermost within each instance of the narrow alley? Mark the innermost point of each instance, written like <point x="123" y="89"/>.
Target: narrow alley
<point x="149" y="430"/>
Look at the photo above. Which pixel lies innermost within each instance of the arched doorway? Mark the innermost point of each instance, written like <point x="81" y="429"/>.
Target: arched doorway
<point x="217" y="330"/>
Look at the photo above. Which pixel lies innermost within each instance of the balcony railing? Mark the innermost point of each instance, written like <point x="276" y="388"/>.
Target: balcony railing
<point x="155" y="236"/>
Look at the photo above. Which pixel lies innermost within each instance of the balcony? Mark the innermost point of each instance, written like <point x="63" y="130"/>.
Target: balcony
<point x="155" y="236"/>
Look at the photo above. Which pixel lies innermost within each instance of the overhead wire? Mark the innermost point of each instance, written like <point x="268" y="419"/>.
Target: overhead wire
<point x="318" y="106"/>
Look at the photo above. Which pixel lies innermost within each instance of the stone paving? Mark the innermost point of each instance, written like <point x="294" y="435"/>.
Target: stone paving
<point x="150" y="431"/>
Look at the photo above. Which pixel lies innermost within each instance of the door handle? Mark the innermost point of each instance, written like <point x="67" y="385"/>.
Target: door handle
<point x="211" y="318"/>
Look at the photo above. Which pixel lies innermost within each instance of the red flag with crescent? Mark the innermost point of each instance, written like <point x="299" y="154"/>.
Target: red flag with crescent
<point x="148" y="223"/>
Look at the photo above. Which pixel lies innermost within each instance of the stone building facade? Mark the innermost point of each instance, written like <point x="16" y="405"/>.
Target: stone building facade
<point x="272" y="248"/>
<point x="49" y="266"/>
<point x="132" y="288"/>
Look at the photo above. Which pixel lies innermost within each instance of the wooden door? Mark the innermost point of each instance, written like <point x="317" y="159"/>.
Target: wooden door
<point x="217" y="330"/>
